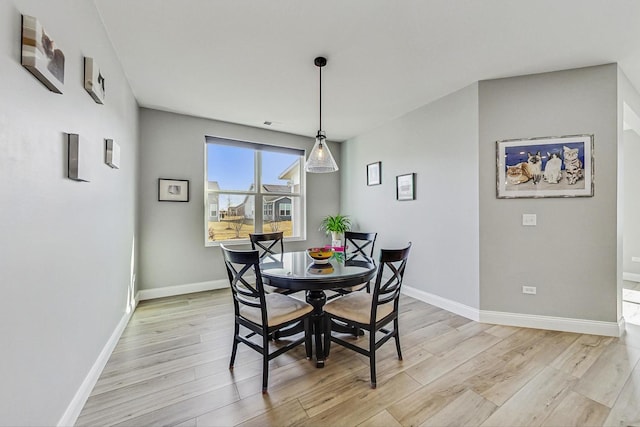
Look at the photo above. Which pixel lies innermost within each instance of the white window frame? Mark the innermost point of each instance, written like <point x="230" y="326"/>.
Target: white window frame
<point x="259" y="193"/>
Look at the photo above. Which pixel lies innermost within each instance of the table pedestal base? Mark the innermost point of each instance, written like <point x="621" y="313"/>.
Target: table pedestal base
<point x="317" y="299"/>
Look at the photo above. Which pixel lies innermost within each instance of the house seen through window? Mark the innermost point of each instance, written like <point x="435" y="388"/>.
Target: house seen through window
<point x="244" y="178"/>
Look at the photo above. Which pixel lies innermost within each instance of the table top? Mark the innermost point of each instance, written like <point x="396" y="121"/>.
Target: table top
<point x="296" y="270"/>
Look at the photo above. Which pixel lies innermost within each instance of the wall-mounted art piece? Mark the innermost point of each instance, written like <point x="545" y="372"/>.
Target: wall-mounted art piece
<point x="173" y="190"/>
<point x="41" y="56"/>
<point x="406" y="186"/>
<point x="77" y="159"/>
<point x="112" y="153"/>
<point x="374" y="173"/>
<point x="94" y="80"/>
<point x="545" y="167"/>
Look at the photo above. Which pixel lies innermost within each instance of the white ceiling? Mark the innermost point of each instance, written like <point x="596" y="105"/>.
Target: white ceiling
<point x="249" y="61"/>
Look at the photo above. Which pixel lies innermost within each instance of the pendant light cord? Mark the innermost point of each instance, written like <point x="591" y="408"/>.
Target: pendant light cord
<point x="320" y="68"/>
<point x="320" y="62"/>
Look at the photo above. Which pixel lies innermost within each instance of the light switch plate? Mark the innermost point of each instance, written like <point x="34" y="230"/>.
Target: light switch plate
<point x="529" y="219"/>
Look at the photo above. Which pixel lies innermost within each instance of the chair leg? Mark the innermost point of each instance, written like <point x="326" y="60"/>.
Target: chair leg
<point x="397" y="337"/>
<point x="327" y="336"/>
<point x="307" y="337"/>
<point x="265" y="362"/>
<point x="236" y="331"/>
<point x="372" y="356"/>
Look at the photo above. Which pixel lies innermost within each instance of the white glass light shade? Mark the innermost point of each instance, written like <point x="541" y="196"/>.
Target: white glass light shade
<point x="320" y="160"/>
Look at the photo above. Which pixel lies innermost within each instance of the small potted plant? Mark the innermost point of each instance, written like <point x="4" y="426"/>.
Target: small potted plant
<point x="335" y="225"/>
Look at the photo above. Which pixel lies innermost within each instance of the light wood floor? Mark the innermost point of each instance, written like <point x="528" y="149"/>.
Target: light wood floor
<point x="171" y="368"/>
<point x="631" y="302"/>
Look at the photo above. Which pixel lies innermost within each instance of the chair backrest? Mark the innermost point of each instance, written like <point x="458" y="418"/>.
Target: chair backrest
<point x="243" y="270"/>
<point x="387" y="290"/>
<point x="358" y="243"/>
<point x="267" y="243"/>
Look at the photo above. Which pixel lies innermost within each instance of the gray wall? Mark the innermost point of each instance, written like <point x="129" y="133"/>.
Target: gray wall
<point x="439" y="142"/>
<point x="571" y="256"/>
<point x="66" y="251"/>
<point x="172" y="234"/>
<point x="631" y="235"/>
<point x="629" y="104"/>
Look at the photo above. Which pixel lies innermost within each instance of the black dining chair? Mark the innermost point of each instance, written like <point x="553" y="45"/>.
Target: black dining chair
<point x="261" y="313"/>
<point x="267" y="243"/>
<point x="270" y="245"/>
<point x="357" y="244"/>
<point x="371" y="312"/>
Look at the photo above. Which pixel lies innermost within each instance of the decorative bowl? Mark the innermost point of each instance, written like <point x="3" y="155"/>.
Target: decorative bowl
<point x="316" y="268"/>
<point x="320" y="255"/>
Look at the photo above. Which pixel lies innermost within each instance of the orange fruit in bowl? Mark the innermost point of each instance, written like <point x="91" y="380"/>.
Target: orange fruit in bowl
<point x="320" y="254"/>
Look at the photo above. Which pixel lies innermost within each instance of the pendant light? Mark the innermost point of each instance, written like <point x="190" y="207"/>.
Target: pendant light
<point x="320" y="160"/>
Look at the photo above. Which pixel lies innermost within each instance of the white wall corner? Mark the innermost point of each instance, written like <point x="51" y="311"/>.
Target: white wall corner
<point x="186" y="288"/>
<point x="621" y="326"/>
<point x="72" y="413"/>
<point x="443" y="303"/>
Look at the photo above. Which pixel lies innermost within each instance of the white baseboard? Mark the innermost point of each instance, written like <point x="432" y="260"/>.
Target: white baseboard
<point x="188" y="288"/>
<point x="632" y="277"/>
<point x="565" y="324"/>
<point x="444" y="303"/>
<point x="70" y="416"/>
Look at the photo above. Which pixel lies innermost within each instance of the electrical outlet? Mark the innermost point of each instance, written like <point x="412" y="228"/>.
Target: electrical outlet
<point x="635" y="258"/>
<point x="529" y="220"/>
<point x="529" y="290"/>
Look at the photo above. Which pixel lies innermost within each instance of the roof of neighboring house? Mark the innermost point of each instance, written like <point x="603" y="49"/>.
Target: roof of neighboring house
<point x="213" y="186"/>
<point x="269" y="188"/>
<point x="290" y="172"/>
<point x="276" y="188"/>
<point x="272" y="199"/>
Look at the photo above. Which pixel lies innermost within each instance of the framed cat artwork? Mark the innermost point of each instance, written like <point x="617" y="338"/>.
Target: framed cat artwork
<point x="545" y="167"/>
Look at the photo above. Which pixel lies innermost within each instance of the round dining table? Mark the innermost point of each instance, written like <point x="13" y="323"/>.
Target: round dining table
<point x="299" y="272"/>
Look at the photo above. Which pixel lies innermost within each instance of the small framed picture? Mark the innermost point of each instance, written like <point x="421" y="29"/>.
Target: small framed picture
<point x="374" y="173"/>
<point x="112" y="153"/>
<point x="41" y="56"/>
<point x="94" y="80"/>
<point x="173" y="190"/>
<point x="405" y="186"/>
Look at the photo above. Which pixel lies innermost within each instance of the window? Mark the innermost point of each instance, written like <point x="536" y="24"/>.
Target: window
<point x="244" y="178"/>
<point x="285" y="209"/>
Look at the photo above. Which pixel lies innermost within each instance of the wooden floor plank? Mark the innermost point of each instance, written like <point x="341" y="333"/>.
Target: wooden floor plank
<point x="604" y="380"/>
<point x="381" y="419"/>
<point x="359" y="408"/>
<point x="626" y="409"/>
<point x="289" y="414"/>
<point x="535" y="401"/>
<point x="469" y="409"/>
<point x="435" y="367"/>
<point x="577" y="411"/>
<point x="580" y="355"/>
